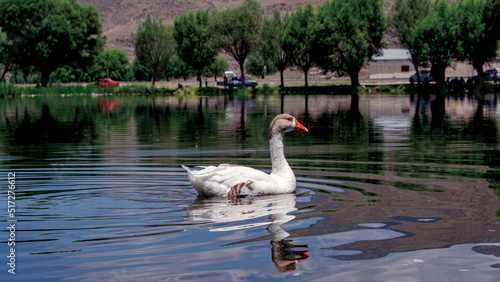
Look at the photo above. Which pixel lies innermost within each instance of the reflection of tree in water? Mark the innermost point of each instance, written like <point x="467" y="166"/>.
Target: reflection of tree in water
<point x="243" y="213"/>
<point x="480" y="128"/>
<point x="58" y="124"/>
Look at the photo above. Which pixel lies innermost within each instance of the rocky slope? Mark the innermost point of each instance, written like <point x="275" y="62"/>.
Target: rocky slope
<point x="121" y="17"/>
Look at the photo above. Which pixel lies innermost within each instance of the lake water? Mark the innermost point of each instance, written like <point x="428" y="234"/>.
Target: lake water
<point x="390" y="188"/>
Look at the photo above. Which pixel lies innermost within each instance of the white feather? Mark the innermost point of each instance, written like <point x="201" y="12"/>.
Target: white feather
<point x="232" y="180"/>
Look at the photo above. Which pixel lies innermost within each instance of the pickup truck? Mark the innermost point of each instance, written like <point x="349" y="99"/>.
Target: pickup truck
<point x="235" y="81"/>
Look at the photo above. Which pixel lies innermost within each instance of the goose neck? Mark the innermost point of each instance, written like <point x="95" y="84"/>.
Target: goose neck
<point x="278" y="160"/>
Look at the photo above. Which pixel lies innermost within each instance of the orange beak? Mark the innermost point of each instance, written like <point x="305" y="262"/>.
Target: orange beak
<point x="300" y="127"/>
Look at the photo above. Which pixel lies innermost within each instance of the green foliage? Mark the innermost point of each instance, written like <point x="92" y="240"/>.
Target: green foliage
<point x="256" y="62"/>
<point x="476" y="35"/>
<point x="415" y="187"/>
<point x="236" y="30"/>
<point x="437" y="37"/>
<point x="64" y="74"/>
<point x="5" y="56"/>
<point x="266" y="90"/>
<point x="139" y="72"/>
<point x="441" y="32"/>
<point x="180" y="69"/>
<point x="140" y="89"/>
<point x="154" y="45"/>
<point x="8" y="89"/>
<point x="349" y="34"/>
<point x="217" y="67"/>
<point x="191" y="35"/>
<point x="48" y="34"/>
<point x="112" y="63"/>
<point x="273" y="43"/>
<point x="300" y="38"/>
<point x="406" y="16"/>
<point x="493" y="18"/>
<point x="270" y="52"/>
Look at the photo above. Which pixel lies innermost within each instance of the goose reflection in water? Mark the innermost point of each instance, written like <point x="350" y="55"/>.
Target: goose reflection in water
<point x="269" y="210"/>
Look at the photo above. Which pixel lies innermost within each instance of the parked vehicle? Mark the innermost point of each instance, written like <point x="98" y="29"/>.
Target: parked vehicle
<point x="487" y="75"/>
<point x="491" y="74"/>
<point x="236" y="81"/>
<point x="103" y="82"/>
<point x="231" y="80"/>
<point x="425" y="76"/>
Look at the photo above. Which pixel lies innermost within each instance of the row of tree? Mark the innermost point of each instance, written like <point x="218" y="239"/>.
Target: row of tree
<point x="43" y="35"/>
<point x="340" y="37"/>
<point x="62" y="40"/>
<point x="175" y="50"/>
<point x="437" y="33"/>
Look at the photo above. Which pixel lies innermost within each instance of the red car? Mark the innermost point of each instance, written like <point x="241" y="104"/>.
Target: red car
<point x="103" y="82"/>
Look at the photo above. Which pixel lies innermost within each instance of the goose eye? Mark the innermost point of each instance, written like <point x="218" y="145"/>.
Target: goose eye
<point x="289" y="119"/>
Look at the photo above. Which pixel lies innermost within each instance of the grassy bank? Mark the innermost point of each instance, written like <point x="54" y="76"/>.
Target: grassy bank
<point x="10" y="90"/>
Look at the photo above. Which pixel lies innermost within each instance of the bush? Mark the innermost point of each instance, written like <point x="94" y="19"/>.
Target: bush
<point x="8" y="89"/>
<point x="266" y="89"/>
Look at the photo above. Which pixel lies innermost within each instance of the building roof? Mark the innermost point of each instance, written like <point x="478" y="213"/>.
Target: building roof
<point x="392" y="55"/>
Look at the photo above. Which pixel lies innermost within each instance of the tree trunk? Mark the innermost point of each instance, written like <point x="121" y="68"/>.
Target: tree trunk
<point x="5" y="70"/>
<point x="479" y="68"/>
<point x="416" y="64"/>
<point x="242" y="71"/>
<point x="354" y="75"/>
<point x="155" y="73"/>
<point x="438" y="72"/>
<point x="419" y="80"/>
<point x="305" y="77"/>
<point x="45" y="77"/>
<point x="281" y="79"/>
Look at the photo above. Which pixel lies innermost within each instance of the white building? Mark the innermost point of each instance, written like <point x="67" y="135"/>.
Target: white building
<point x="396" y="63"/>
<point x="392" y="63"/>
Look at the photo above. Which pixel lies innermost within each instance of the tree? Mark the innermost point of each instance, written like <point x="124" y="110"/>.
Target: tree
<point x="48" y="34"/>
<point x="179" y="68"/>
<point x="273" y="43"/>
<point x="350" y="33"/>
<point x="112" y="63"/>
<point x="493" y="16"/>
<point x="64" y="74"/>
<point x="256" y="62"/>
<point x="476" y="33"/>
<point x="5" y="56"/>
<point x="438" y="38"/>
<point x="300" y="37"/>
<point x="190" y="33"/>
<point x="217" y="67"/>
<point x="154" y="45"/>
<point x="236" y="31"/>
<point x="139" y="72"/>
<point x="406" y="16"/>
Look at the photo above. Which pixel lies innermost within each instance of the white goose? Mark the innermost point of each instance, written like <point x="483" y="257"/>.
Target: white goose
<point x="234" y="180"/>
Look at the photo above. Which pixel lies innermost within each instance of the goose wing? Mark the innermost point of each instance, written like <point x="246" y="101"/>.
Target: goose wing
<point x="227" y="180"/>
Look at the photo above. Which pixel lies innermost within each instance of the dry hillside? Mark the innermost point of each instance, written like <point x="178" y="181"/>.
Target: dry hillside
<point x="121" y="17"/>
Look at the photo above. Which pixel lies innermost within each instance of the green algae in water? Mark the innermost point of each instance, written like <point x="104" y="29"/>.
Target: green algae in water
<point x="415" y="187"/>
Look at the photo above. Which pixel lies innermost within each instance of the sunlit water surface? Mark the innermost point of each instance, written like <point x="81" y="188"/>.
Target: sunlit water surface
<point x="390" y="188"/>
